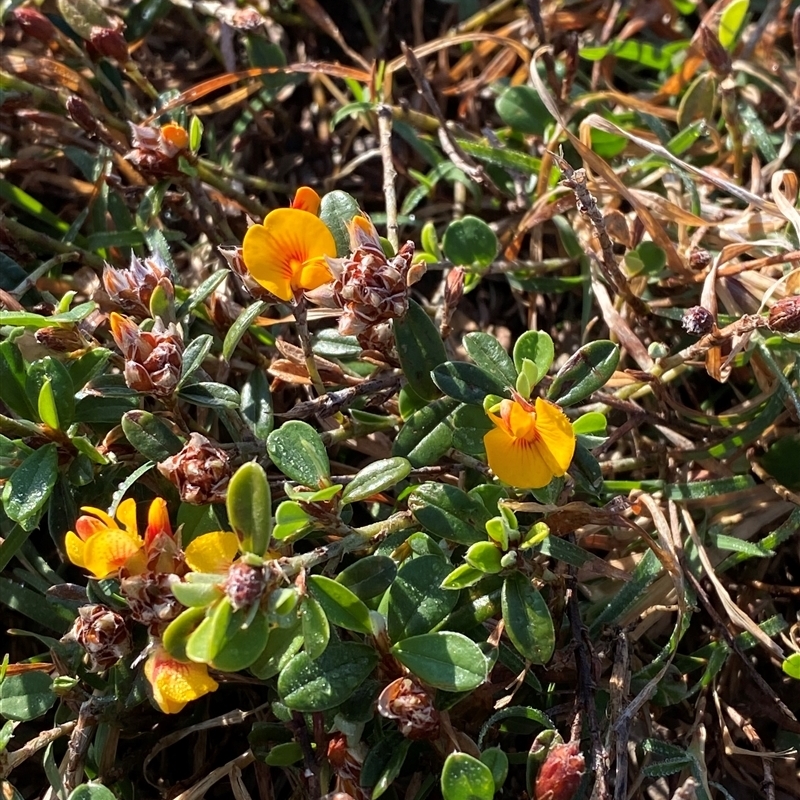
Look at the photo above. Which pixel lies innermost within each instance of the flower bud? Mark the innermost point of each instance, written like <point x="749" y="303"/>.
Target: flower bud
<point x="110" y="42"/>
<point x="407" y="702"/>
<point x="784" y="316"/>
<point x="59" y="340"/>
<point x="150" y="599"/>
<point x="561" y="773"/>
<point x="244" y="585"/>
<point x="698" y="321"/>
<point x="716" y="55"/>
<point x="132" y="288"/>
<point x="35" y="24"/>
<point x="699" y="258"/>
<point x="201" y="471"/>
<point x="152" y="358"/>
<point x="156" y="150"/>
<point x="103" y="634"/>
<point x="81" y="114"/>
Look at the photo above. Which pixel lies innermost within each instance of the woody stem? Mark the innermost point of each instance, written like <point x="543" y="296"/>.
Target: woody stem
<point x="301" y="318"/>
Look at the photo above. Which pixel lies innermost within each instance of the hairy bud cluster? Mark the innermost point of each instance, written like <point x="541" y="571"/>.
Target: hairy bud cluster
<point x="201" y="471"/>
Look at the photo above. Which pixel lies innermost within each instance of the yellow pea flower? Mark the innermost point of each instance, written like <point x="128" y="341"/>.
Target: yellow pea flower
<point x="103" y="545"/>
<point x="176" y="683"/>
<point x="530" y="444"/>
<point x="212" y="552"/>
<point x="286" y="253"/>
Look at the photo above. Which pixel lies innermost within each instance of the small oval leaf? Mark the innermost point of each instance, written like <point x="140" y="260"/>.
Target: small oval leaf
<point x="420" y="350"/>
<point x="298" y="452"/>
<point x="249" y="506"/>
<point x="376" y="477"/>
<point x="445" y="660"/>
<point x="527" y="619"/>
<point x="466" y="778"/>
<point x="466" y="382"/>
<point x="588" y="370"/>
<point x="469" y="241"/>
<point x="341" y="606"/>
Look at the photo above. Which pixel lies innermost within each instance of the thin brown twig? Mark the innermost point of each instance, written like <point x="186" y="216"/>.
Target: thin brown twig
<point x="448" y="142"/>
<point x="389" y="173"/>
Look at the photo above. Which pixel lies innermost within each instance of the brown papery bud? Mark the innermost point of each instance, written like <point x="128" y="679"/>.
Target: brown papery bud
<point x="59" y="340"/>
<point x="132" y="288"/>
<point x="81" y="113"/>
<point x="784" y="316"/>
<point x="150" y="599"/>
<point x="152" y="358"/>
<point x="103" y="634"/>
<point x="699" y="258"/>
<point x="698" y="321"/>
<point x="407" y="702"/>
<point x="201" y="471"/>
<point x="110" y="42"/>
<point x="35" y="24"/>
<point x="716" y="55"/>
<point x="561" y="773"/>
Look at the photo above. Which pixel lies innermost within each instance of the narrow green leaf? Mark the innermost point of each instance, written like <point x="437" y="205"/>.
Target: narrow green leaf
<point x="28" y="489"/>
<point x="194" y="356"/>
<point x="239" y="328"/>
<point x="466" y="382"/>
<point x="342" y="607"/>
<point x="210" y="394"/>
<point x="249" y="506"/>
<point x="527" y="619"/>
<point x="13" y="378"/>
<point x="150" y="435"/>
<point x="369" y="576"/>
<point x="316" y="629"/>
<point x="256" y="407"/>
<point x="376" y="477"/>
<point x="420" y="350"/>
<point x="426" y="436"/>
<point x="588" y="370"/>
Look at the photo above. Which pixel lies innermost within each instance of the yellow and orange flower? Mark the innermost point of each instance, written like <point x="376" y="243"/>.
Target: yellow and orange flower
<point x="176" y="683"/>
<point x="212" y="552"/>
<point x="286" y="254"/>
<point x="103" y="545"/>
<point x="530" y="444"/>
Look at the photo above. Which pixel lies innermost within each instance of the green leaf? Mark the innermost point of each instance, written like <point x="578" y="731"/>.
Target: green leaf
<point x="256" y="407"/>
<point x="592" y="423"/>
<point x="641" y="52"/>
<point x="466" y="382"/>
<point x="510" y="712"/>
<point x="28" y="489"/>
<point x="91" y="791"/>
<point x="497" y="761"/>
<point x="198" y="589"/>
<point x="194" y="355"/>
<point x="537" y="347"/>
<point x="290" y="520"/>
<point x="13" y="377"/>
<point x="521" y="108"/>
<point x="527" y="619"/>
<point x="588" y="370"/>
<point x="791" y="666"/>
<point x="466" y="778"/>
<point x="376" y="477"/>
<point x="298" y="452"/>
<point x="426" y="436"/>
<point x="316" y="629"/>
<point x="249" y="506"/>
<point x="336" y="210"/>
<point x="342" y="607"/>
<point x="284" y="754"/>
<point x="240" y="327"/>
<point x="203" y="291"/>
<point x="415" y="602"/>
<point x="469" y="241"/>
<point x="210" y="635"/>
<point x="26" y="696"/>
<point x="83" y="15"/>
<point x="449" y="512"/>
<point x="420" y="350"/>
<point x="150" y="435"/>
<point x="282" y="644"/>
<point x="445" y="660"/>
<point x="491" y="357"/>
<point x="470" y="426"/>
<point x="462" y="577"/>
<point x="318" y="685"/>
<point x="244" y="645"/>
<point x="392" y="768"/>
<point x="210" y="394"/>
<point x="62" y="404"/>
<point x="484" y="556"/>
<point x="369" y="576"/>
<point x="46" y="405"/>
<point x="730" y="22"/>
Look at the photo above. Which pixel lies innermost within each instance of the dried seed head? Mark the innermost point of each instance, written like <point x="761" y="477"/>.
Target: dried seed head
<point x="698" y="321"/>
<point x="201" y="471"/>
<point x="35" y="24"/>
<point x="156" y="150"/>
<point x="103" y="634"/>
<point x="150" y="599"/>
<point x="370" y="287"/>
<point x="152" y="358"/>
<point x="784" y="316"/>
<point x="132" y="288"/>
<point x="110" y="42"/>
<point x="699" y="258"/>
<point x="412" y="707"/>
<point x="561" y="773"/>
<point x="60" y="340"/>
<point x="244" y="585"/>
<point x="347" y="761"/>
